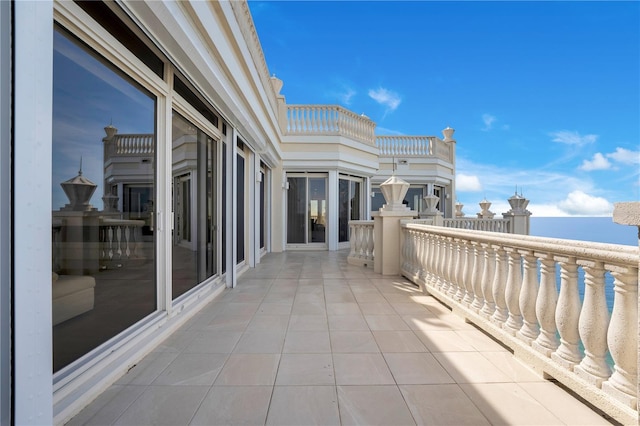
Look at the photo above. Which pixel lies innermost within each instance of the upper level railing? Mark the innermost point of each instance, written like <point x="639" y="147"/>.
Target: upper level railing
<point x="569" y="308"/>
<point x="329" y="120"/>
<point x="413" y="146"/>
<point x="479" y="224"/>
<point x="133" y="144"/>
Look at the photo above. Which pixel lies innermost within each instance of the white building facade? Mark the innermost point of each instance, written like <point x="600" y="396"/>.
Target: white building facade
<point x="182" y="166"/>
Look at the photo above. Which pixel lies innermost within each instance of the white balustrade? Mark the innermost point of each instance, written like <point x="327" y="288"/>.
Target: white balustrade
<point x="120" y="240"/>
<point x="405" y="146"/>
<point x="361" y="243"/>
<point x="329" y="120"/>
<point x="478" y="224"/>
<point x="134" y="144"/>
<point x="508" y="287"/>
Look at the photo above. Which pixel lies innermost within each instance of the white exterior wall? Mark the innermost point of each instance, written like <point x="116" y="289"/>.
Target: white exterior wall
<point x="5" y="212"/>
<point x="32" y="109"/>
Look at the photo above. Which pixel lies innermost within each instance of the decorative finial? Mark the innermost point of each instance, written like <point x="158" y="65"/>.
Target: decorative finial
<point x="80" y="171"/>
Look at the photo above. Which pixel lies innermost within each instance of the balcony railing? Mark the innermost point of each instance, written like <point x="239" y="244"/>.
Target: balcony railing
<point x="329" y="120"/>
<point x="479" y="224"/>
<point x="131" y="145"/>
<point x="118" y="242"/>
<point x="560" y="324"/>
<point x="413" y="146"/>
<point x="361" y="243"/>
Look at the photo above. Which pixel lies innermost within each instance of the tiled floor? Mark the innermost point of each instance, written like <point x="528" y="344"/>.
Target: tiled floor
<point x="307" y="339"/>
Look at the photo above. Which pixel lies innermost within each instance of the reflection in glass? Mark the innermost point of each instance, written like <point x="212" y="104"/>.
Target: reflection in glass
<point x="240" y="210"/>
<point x="343" y="213"/>
<point x="349" y="204"/>
<point x="103" y="191"/>
<point x="317" y="210"/>
<point x="194" y="214"/>
<point x="296" y="210"/>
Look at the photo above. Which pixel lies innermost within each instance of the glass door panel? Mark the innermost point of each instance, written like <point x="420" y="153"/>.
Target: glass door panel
<point x="317" y="210"/>
<point x="103" y="239"/>
<point x="296" y="210"/>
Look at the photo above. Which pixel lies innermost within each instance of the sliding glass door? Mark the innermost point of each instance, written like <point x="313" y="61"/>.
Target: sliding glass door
<point x="349" y="202"/>
<point x="307" y="209"/>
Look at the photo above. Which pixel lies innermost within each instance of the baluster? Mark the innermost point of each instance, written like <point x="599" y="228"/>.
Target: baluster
<point x="512" y="292"/>
<point x="546" y="302"/>
<point x="460" y="265"/>
<point x="593" y="325"/>
<point x="623" y="337"/>
<point x="499" y="287"/>
<point x="127" y="250"/>
<point x="448" y="252"/>
<point x="468" y="273"/>
<point x="568" y="315"/>
<point x="421" y="255"/>
<point x="352" y="240"/>
<point x="454" y="288"/>
<point x="429" y="275"/>
<point x="110" y="242"/>
<point x="528" y="296"/>
<point x="488" y="272"/>
<point x="442" y="263"/>
<point x="370" y="247"/>
<point x="325" y="125"/>
<point x="119" y="241"/>
<point x="407" y="249"/>
<point x="476" y="277"/>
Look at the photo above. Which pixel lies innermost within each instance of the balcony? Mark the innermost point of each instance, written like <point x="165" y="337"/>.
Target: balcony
<point x="306" y="338"/>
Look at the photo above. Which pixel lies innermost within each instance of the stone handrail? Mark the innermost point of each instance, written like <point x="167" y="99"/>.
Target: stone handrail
<point x="329" y="120"/>
<point x="120" y="240"/>
<point x="478" y="224"/>
<point x="508" y="287"/>
<point x="405" y="146"/>
<point x="413" y="146"/>
<point x="361" y="243"/>
<point x="133" y="144"/>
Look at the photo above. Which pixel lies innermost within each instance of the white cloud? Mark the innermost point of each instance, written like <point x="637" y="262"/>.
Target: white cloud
<point x="347" y="95"/>
<point x="572" y="138"/>
<point x="599" y="162"/>
<point x="488" y="120"/>
<point x="467" y="183"/>
<point x="583" y="204"/>
<point x="625" y="156"/>
<point x="391" y="100"/>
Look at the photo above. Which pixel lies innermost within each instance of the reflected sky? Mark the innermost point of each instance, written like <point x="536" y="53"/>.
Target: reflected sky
<point x="87" y="96"/>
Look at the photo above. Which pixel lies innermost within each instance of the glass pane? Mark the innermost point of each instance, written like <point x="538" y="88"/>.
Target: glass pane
<point x="103" y="174"/>
<point x="192" y="164"/>
<point x="413" y="199"/>
<point x="377" y="201"/>
<point x="240" y="211"/>
<point x="224" y="209"/>
<point x="343" y="213"/>
<point x="317" y="209"/>
<point x="296" y="210"/>
<point x="263" y="215"/>
<point x="354" y="203"/>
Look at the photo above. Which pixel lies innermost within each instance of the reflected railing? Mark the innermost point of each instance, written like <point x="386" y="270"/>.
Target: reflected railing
<point x="546" y="299"/>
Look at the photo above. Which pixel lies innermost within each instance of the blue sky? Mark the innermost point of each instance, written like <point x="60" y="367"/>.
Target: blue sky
<point x="543" y="95"/>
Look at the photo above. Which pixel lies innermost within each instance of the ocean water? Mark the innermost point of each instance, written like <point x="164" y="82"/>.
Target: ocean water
<point x="598" y="229"/>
